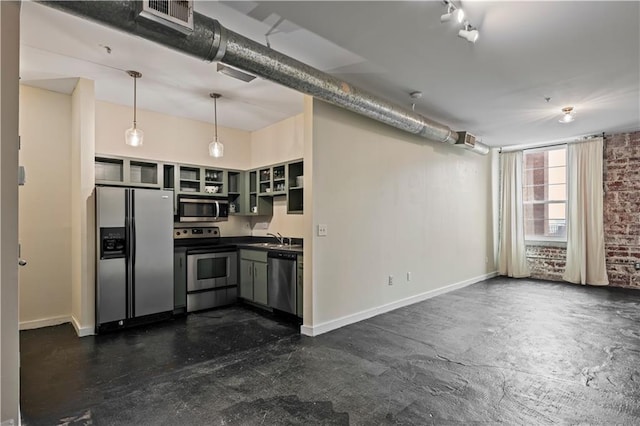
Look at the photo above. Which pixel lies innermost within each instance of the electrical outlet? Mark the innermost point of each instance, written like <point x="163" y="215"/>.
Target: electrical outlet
<point x="390" y="279"/>
<point x="637" y="266"/>
<point x="408" y="276"/>
<point x="322" y="230"/>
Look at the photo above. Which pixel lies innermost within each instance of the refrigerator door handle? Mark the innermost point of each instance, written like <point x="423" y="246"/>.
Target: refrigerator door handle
<point x="128" y="238"/>
<point x="132" y="244"/>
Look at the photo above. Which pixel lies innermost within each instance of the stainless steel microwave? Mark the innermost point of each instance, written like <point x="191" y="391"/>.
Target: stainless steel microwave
<point x="202" y="209"/>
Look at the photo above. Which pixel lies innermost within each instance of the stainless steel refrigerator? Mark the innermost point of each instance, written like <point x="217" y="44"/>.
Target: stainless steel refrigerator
<point x="134" y="268"/>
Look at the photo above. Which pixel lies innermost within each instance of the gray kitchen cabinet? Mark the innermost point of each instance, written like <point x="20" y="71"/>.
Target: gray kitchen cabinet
<point x="260" y="283"/>
<point x="257" y="205"/>
<point x="111" y="170"/>
<point x="179" y="280"/>
<point x="250" y="193"/>
<point x="295" y="190"/>
<point x="253" y="276"/>
<point x="299" y="287"/>
<point x="272" y="180"/>
<point x="246" y="278"/>
<point x="235" y="189"/>
<point x="201" y="180"/>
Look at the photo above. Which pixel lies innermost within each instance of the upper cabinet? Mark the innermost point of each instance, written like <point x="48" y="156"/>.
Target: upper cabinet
<point x="273" y="180"/>
<point x="295" y="192"/>
<point x="128" y="171"/>
<point x="201" y="180"/>
<point x="249" y="192"/>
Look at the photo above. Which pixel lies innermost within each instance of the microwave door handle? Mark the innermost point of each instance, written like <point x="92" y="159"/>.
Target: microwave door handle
<point x="217" y="210"/>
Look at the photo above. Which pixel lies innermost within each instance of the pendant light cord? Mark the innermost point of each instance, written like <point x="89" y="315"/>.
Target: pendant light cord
<point x="135" y="79"/>
<point x="215" y="118"/>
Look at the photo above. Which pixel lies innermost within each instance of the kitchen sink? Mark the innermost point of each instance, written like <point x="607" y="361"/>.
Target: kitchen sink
<point x="277" y="246"/>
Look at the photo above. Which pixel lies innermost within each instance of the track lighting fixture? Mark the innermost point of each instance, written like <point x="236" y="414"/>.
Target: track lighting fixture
<point x="568" y="116"/>
<point x="134" y="136"/>
<point x="453" y="13"/>
<point x="468" y="33"/>
<point x="216" y="148"/>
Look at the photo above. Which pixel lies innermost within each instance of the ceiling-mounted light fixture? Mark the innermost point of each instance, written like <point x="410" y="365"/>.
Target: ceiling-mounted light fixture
<point x="453" y="13"/>
<point x="232" y="72"/>
<point x="216" y="148"/>
<point x="134" y="136"/>
<point x="469" y="33"/>
<point x="568" y="115"/>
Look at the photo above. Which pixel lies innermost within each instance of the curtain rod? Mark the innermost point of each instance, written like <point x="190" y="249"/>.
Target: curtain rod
<point x="548" y="145"/>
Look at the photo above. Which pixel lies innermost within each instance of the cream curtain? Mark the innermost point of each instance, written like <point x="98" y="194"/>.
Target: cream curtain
<point x="585" y="232"/>
<point x="512" y="260"/>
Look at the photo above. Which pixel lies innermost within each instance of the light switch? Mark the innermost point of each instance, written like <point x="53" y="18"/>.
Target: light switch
<point x="22" y="176"/>
<point x="322" y="230"/>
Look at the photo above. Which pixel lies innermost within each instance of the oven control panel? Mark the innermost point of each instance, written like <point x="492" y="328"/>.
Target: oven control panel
<point x="184" y="233"/>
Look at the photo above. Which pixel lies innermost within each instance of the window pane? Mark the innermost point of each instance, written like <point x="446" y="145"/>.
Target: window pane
<point x="545" y="193"/>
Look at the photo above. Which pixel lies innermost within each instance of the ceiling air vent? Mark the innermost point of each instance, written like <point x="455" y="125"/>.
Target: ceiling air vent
<point x="466" y="139"/>
<point x="176" y="14"/>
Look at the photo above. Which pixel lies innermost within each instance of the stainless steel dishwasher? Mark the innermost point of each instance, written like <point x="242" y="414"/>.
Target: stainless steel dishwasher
<point x="281" y="281"/>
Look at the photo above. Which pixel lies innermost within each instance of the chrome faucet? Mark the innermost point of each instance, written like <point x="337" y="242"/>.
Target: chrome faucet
<point x="277" y="237"/>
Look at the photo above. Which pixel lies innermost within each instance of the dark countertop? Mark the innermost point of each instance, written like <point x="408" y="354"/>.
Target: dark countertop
<point x="233" y="243"/>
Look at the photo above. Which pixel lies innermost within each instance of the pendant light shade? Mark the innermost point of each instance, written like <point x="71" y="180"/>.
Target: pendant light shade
<point x="134" y="136"/>
<point x="216" y="148"/>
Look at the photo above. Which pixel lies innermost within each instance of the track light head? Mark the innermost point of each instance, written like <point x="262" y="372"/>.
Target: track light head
<point x="457" y="15"/>
<point x="469" y="33"/>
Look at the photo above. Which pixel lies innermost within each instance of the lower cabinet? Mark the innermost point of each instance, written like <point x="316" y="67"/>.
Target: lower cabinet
<point x="179" y="280"/>
<point x="253" y="276"/>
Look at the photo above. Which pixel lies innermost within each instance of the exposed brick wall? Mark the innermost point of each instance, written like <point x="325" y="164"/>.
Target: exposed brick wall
<point x="546" y="263"/>
<point x="622" y="208"/>
<point x="621" y="218"/>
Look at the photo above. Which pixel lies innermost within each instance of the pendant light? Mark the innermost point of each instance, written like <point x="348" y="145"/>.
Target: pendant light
<point x="216" y="148"/>
<point x="134" y="136"/>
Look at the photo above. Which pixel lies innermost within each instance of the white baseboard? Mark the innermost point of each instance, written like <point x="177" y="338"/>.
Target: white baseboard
<point x="82" y="331"/>
<point x="368" y="313"/>
<point x="44" y="322"/>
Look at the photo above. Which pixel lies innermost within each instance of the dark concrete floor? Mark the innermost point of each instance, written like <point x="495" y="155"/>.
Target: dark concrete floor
<point x="510" y="351"/>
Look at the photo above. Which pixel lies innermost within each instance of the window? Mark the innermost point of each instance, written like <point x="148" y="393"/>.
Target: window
<point x="545" y="194"/>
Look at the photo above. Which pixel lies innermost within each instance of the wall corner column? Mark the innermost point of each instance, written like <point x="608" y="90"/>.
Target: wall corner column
<point x="9" y="142"/>
<point x="83" y="132"/>
<point x="308" y="282"/>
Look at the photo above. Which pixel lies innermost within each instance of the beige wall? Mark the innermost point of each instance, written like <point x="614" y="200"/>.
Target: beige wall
<point x="278" y="143"/>
<point x="169" y="138"/>
<point x="45" y="207"/>
<point x="394" y="203"/>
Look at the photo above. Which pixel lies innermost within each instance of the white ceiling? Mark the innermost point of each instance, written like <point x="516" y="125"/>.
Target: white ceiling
<point x="581" y="54"/>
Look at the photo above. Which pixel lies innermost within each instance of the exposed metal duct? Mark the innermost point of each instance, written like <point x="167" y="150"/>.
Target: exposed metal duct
<point x="211" y="41"/>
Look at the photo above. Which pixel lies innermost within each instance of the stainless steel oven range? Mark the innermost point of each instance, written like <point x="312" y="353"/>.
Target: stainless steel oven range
<point x="212" y="268"/>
